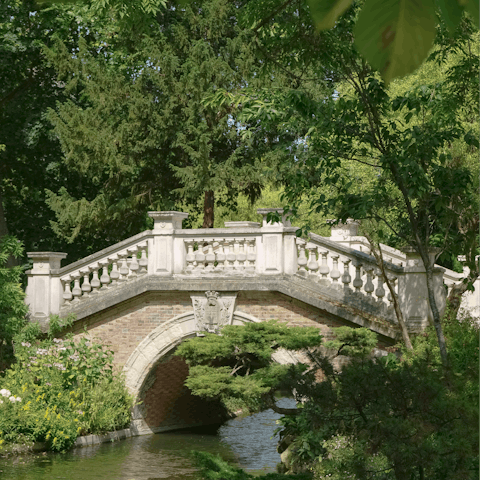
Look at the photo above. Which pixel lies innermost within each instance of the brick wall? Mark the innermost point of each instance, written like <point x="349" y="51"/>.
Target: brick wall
<point x="126" y="325"/>
<point x="276" y="306"/>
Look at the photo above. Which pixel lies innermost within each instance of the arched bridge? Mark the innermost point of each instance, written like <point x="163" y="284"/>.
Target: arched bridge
<point x="145" y="295"/>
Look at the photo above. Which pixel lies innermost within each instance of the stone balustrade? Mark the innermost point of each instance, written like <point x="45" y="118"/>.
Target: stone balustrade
<point x="340" y="263"/>
<point x="333" y="264"/>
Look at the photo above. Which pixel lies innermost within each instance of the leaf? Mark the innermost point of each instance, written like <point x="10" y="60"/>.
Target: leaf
<point x="395" y="36"/>
<point x="326" y="12"/>
<point x="473" y="8"/>
<point x="451" y="13"/>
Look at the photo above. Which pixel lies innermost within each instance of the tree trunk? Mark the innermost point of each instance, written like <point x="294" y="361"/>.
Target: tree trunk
<point x="433" y="306"/>
<point x="398" y="312"/>
<point x="3" y="221"/>
<point x="208" y="209"/>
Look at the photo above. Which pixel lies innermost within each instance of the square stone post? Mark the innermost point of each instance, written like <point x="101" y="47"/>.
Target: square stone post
<point x="278" y="250"/>
<point x="413" y="293"/>
<point x="44" y="290"/>
<point x="163" y="253"/>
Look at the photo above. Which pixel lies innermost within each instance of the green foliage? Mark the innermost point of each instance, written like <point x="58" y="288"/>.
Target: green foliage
<point x="30" y="160"/>
<point x="237" y="366"/>
<point x="397" y="36"/>
<point x="13" y="310"/>
<point x="135" y="124"/>
<point x="353" y="342"/>
<point x="59" y="389"/>
<point x="393" y="417"/>
<point x="215" y="468"/>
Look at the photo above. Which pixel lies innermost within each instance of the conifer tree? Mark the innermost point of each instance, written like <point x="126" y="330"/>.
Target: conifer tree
<point x="136" y="124"/>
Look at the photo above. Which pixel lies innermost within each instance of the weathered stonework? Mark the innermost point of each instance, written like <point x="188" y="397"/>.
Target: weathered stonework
<point x="145" y="295"/>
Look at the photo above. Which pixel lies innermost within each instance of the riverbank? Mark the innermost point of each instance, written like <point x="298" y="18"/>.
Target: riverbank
<point x="244" y="441"/>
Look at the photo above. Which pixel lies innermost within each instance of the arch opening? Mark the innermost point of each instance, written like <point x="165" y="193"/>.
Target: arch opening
<point x="156" y="379"/>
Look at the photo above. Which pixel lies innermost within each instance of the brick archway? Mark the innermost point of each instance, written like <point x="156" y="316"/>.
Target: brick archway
<point x="154" y="356"/>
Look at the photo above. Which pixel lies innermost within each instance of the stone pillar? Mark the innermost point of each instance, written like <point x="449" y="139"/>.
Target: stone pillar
<point x="412" y="290"/>
<point x="277" y="253"/>
<point x="343" y="232"/>
<point x="44" y="290"/>
<point x="164" y="255"/>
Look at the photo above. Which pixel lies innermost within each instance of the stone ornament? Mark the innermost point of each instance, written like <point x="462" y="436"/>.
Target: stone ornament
<point x="212" y="311"/>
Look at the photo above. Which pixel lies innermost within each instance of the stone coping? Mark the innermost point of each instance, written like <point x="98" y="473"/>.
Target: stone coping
<point x="330" y="300"/>
<point x="88" y="440"/>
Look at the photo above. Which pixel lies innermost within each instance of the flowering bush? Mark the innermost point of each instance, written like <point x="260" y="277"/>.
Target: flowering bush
<point x="58" y="389"/>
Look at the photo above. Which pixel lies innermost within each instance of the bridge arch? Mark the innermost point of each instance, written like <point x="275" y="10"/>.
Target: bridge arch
<point x="153" y="361"/>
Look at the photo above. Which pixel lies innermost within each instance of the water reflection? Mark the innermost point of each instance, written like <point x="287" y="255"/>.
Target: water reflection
<point x="244" y="441"/>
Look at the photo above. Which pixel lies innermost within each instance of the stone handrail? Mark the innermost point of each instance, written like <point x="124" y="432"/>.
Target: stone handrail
<point x="240" y="249"/>
<point x="50" y="287"/>
<point x="327" y="261"/>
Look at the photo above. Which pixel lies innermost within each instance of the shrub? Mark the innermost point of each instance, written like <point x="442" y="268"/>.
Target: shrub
<point x="61" y="389"/>
<point x="13" y="310"/>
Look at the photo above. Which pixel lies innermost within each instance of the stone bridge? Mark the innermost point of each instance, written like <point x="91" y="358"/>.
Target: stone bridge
<point x="145" y="295"/>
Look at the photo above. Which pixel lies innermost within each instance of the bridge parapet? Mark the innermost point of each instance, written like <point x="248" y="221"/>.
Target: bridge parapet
<point x="333" y="264"/>
<point x="240" y="250"/>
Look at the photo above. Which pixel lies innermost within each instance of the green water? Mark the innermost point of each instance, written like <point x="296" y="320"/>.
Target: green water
<point x="244" y="441"/>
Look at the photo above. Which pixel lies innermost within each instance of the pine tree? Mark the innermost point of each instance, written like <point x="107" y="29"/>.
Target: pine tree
<point x="138" y="127"/>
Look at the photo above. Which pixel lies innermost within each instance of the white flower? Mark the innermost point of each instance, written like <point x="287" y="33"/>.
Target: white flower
<point x="5" y="393"/>
<point x="18" y="399"/>
<point x="12" y="398"/>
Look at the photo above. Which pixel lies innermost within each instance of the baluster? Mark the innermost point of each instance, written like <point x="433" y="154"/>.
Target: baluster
<point x="346" y="278"/>
<point x="230" y="255"/>
<point x="251" y="255"/>
<point x="86" y="287"/>
<point x="358" y="282"/>
<point x="221" y="256"/>
<point x="369" y="287"/>
<point x="235" y="250"/>
<point x="190" y="257"/>
<point x="67" y="294"/>
<point x="380" y="291"/>
<point x="77" y="291"/>
<point x="210" y="257"/>
<point x="200" y="257"/>
<point x="324" y="267"/>
<point x="114" y="274"/>
<point x="134" y="266"/>
<point x="241" y="256"/>
<point x="302" y="259"/>
<point x="105" y="278"/>
<point x="335" y="273"/>
<point x="95" y="283"/>
<point x="143" y="262"/>
<point x="123" y="270"/>
<point x="312" y="264"/>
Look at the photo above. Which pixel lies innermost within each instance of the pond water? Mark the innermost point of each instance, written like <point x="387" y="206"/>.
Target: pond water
<point x="245" y="441"/>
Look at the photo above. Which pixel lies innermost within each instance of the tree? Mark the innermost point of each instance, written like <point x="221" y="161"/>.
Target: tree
<point x="13" y="310"/>
<point x="416" y="187"/>
<point x="237" y="367"/>
<point x="136" y="125"/>
<point x="392" y="417"/>
<point x="395" y="37"/>
<point x="31" y="157"/>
